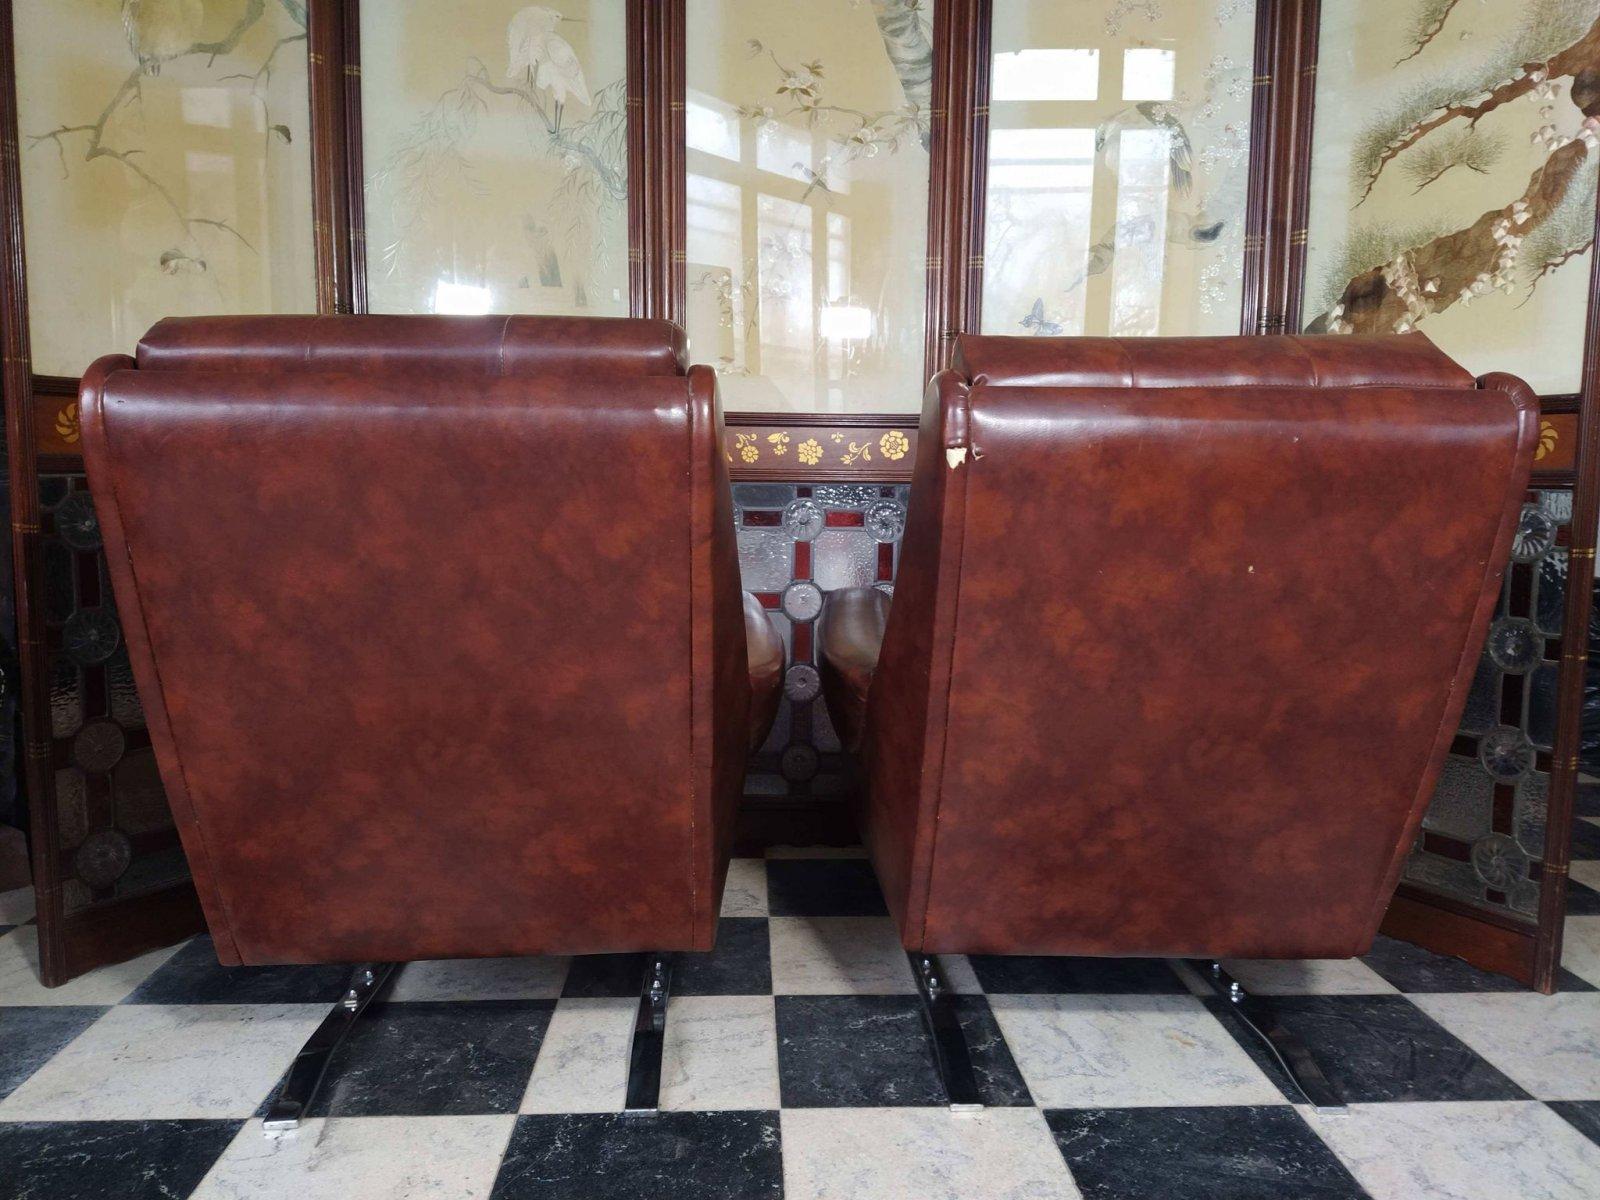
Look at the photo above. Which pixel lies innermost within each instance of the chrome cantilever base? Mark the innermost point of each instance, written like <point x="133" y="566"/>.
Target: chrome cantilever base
<point x="1291" y="1053"/>
<point x="951" y="1054"/>
<point x="649" y="1036"/>
<point x="311" y="1064"/>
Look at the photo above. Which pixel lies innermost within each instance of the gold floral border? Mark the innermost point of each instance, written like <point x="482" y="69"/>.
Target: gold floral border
<point x="853" y="450"/>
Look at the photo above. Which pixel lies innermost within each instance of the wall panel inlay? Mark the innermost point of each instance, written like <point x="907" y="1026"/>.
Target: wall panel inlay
<point x="1453" y="179"/>
<point x="1119" y="146"/>
<point x="166" y="167"/>
<point x="496" y="156"/>
<point x="808" y="130"/>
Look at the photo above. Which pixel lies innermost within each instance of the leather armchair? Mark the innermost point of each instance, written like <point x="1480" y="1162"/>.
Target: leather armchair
<point x="438" y="629"/>
<point x="1180" y="636"/>
<point x="426" y="674"/>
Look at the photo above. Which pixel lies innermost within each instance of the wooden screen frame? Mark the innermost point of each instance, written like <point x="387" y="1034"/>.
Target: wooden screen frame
<point x="41" y="413"/>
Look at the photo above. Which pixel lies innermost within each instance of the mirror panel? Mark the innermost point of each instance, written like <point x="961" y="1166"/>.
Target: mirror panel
<point x="807" y="201"/>
<point x="1453" y="179"/>
<point x="1119" y="145"/>
<point x="166" y="168"/>
<point x="495" y="150"/>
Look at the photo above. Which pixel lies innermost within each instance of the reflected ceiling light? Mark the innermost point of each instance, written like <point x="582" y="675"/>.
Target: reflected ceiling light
<point x="461" y="299"/>
<point x="846" y="322"/>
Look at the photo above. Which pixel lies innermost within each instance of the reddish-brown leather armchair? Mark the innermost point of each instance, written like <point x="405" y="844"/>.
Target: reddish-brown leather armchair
<point x="438" y="626"/>
<point x="1180" y="635"/>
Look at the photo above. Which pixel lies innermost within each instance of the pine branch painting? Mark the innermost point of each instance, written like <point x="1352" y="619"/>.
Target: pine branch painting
<point x="1542" y="84"/>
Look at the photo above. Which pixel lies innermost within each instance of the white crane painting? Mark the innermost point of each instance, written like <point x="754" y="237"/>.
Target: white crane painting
<point x="543" y="59"/>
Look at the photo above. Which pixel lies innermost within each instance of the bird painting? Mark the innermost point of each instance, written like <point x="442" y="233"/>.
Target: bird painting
<point x="1180" y="151"/>
<point x="161" y="30"/>
<point x="545" y="58"/>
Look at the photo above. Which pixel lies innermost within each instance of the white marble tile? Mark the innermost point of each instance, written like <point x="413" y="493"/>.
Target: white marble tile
<point x="921" y="1154"/>
<point x="19" y="974"/>
<point x="838" y="956"/>
<point x="1307" y="977"/>
<point x="1549" y="1045"/>
<point x="16" y="906"/>
<point x="1463" y="1151"/>
<point x="583" y="1059"/>
<point x="1127" y="1051"/>
<point x="816" y="851"/>
<point x="721" y="1053"/>
<point x="1586" y="871"/>
<point x="173" y="1061"/>
<point x="1580" y="948"/>
<point x="481" y="979"/>
<point x="746" y="893"/>
<point x="363" y="1158"/>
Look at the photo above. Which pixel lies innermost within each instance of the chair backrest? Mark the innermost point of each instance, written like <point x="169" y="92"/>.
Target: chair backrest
<point x="1181" y="633"/>
<point x="438" y="660"/>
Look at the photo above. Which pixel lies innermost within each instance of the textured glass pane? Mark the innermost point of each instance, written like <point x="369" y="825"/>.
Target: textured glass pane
<point x="807" y="200"/>
<point x="1530" y="811"/>
<point x="1453" y="179"/>
<point x="166" y="170"/>
<point x="495" y="150"/>
<point x="1463" y="802"/>
<point x="1541" y="715"/>
<point x="842" y="558"/>
<point x="66" y="697"/>
<point x="766" y="560"/>
<point x="1446" y="875"/>
<point x="1118" y="160"/>
<point x="1552" y="597"/>
<point x="1482" y="710"/>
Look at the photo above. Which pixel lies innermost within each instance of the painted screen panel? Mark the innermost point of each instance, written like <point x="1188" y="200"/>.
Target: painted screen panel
<point x="1453" y="178"/>
<point x="495" y="147"/>
<point x="165" y="163"/>
<point x="1119" y="152"/>
<point x="807" y="200"/>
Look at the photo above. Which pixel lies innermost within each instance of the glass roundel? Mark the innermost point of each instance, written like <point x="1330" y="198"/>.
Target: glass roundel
<point x="1514" y="644"/>
<point x="1499" y="861"/>
<point x="803" y="519"/>
<point x="1505" y="753"/>
<point x="1536" y="533"/>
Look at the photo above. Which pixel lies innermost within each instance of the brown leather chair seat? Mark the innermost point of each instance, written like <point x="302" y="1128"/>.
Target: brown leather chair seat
<point x="765" y="652"/>
<point x="853" y="621"/>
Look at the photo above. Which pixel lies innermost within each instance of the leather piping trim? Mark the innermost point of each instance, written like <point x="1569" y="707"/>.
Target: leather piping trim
<point x="210" y="882"/>
<point x="925" y="850"/>
<point x="1527" y="417"/>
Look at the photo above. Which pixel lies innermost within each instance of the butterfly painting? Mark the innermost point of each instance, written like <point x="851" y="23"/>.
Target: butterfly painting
<point x="1039" y="324"/>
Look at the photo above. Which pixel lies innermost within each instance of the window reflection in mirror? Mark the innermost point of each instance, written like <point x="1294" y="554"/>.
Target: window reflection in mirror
<point x="1118" y="166"/>
<point x="807" y="201"/>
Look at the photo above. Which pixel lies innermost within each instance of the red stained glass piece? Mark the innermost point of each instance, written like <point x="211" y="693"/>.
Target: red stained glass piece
<point x="845" y="520"/>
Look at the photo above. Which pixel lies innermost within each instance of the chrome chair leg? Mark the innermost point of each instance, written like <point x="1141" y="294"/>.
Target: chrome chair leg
<point x="951" y="1055"/>
<point x="649" y="1036"/>
<point x="1262" y="1018"/>
<point x="311" y="1064"/>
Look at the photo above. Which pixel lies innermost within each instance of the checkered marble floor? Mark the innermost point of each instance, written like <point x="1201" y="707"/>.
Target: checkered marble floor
<point x="796" y="1066"/>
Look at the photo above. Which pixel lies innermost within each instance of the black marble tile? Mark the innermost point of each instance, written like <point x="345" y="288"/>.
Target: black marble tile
<point x="741" y="965"/>
<point x="1243" y="1153"/>
<point x="1021" y="974"/>
<point x="1374" y="1049"/>
<point x="1586" y="801"/>
<point x="193" y="976"/>
<point x="1582" y="900"/>
<point x="1584" y="1115"/>
<point x="92" y="1160"/>
<point x="605" y="975"/>
<point x="823" y="887"/>
<point x="1413" y="969"/>
<point x="31" y="1036"/>
<point x="873" y="1051"/>
<point x="428" y="1059"/>
<point x="1585" y="839"/>
<point x="670" y="1156"/>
